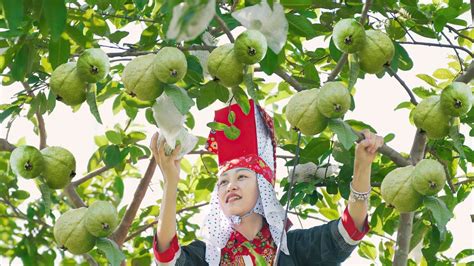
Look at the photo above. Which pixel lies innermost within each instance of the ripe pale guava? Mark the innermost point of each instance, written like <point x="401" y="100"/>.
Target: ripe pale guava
<point x="348" y="35"/>
<point x="101" y="218"/>
<point x="139" y="80"/>
<point x="67" y="84"/>
<point x="26" y="161"/>
<point x="59" y="166"/>
<point x="170" y="65"/>
<point x="334" y="99"/>
<point x="429" y="117"/>
<point x="250" y="47"/>
<point x="397" y="190"/>
<point x="93" y="65"/>
<point x="429" y="177"/>
<point x="456" y="99"/>
<point x="71" y="234"/>
<point x="224" y="66"/>
<point x="302" y="112"/>
<point x="377" y="51"/>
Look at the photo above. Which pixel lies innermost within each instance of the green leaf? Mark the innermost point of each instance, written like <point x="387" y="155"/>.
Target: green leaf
<point x="232" y="132"/>
<point x="270" y="62"/>
<point x="20" y="194"/>
<point x="111" y="250"/>
<point x="207" y="94"/>
<point x="440" y="212"/>
<point x="353" y="70"/>
<point x="13" y="10"/>
<point x="19" y="67"/>
<point x="119" y="186"/>
<point x="91" y="101"/>
<point x="112" y="155"/>
<point x="8" y="112"/>
<point x="404" y="61"/>
<point x="140" y="4"/>
<point x="344" y="132"/>
<point x="367" y="250"/>
<point x="296" y="4"/>
<point x="149" y="36"/>
<point x="443" y="73"/>
<point x="117" y="36"/>
<point x="454" y="134"/>
<point x="405" y="105"/>
<point x="180" y="98"/>
<point x="329" y="213"/>
<point x="114" y="137"/>
<point x="194" y="73"/>
<point x="311" y="73"/>
<point x="217" y="126"/>
<point x="59" y="52"/>
<point x="388" y="138"/>
<point x="300" y="26"/>
<point x="241" y="98"/>
<point x="428" y="79"/>
<point x="46" y="197"/>
<point x="231" y="117"/>
<point x="333" y="51"/>
<point x="465" y="252"/>
<point x="422" y="92"/>
<point x="55" y="13"/>
<point x="51" y="101"/>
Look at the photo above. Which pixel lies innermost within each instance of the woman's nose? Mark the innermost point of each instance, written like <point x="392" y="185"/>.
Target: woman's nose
<point x="232" y="186"/>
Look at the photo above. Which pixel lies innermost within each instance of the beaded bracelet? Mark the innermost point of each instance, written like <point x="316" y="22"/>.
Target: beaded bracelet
<point x="356" y="195"/>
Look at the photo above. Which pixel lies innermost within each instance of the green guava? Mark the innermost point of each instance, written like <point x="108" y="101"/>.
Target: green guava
<point x="224" y="66"/>
<point x="302" y="112"/>
<point x="170" y="65"/>
<point x="456" y="99"/>
<point x="93" y="65"/>
<point x="135" y="102"/>
<point x="250" y="47"/>
<point x="377" y="51"/>
<point x="394" y="29"/>
<point x="397" y="190"/>
<point x="101" y="218"/>
<point x="26" y="161"/>
<point x="59" y="166"/>
<point x="67" y="84"/>
<point x="139" y="80"/>
<point x="429" y="117"/>
<point x="348" y="35"/>
<point x="334" y="99"/>
<point x="429" y="177"/>
<point x="71" y="234"/>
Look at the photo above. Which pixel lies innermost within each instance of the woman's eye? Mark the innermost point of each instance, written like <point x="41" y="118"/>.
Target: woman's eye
<point x="242" y="176"/>
<point x="222" y="182"/>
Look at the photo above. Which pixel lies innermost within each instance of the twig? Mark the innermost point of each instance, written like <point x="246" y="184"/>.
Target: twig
<point x="133" y="52"/>
<point x="455" y="50"/>
<point x="100" y="14"/>
<point x="466" y="181"/>
<point x="234" y="5"/>
<point x="6" y="146"/>
<point x="343" y="60"/>
<point x="224" y="28"/>
<point x="403" y="27"/>
<point x="440" y="45"/>
<point x="39" y="117"/>
<point x="459" y="33"/>
<point x="293" y="82"/>
<point x="402" y="82"/>
<point x="71" y="193"/>
<point x="121" y="233"/>
<point x="90" y="175"/>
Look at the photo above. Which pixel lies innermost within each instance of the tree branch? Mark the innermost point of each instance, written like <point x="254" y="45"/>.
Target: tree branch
<point x="133" y="52"/>
<point x="468" y="74"/>
<point x="402" y="82"/>
<point x="440" y="45"/>
<point x="71" y="193"/>
<point x="6" y="146"/>
<point x="121" y="233"/>
<point x="466" y="181"/>
<point x="224" y="28"/>
<point x="455" y="50"/>
<point x="293" y="82"/>
<point x="459" y="33"/>
<point x="39" y="117"/>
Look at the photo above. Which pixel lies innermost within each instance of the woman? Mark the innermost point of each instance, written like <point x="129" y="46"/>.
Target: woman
<point x="244" y="221"/>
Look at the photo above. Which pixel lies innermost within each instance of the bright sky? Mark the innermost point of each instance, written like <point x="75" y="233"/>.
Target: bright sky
<point x="375" y="102"/>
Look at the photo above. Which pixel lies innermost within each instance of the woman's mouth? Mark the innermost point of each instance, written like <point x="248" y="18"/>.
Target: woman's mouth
<point x="233" y="198"/>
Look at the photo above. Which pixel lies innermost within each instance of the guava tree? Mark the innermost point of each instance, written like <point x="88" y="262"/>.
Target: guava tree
<point x="38" y="37"/>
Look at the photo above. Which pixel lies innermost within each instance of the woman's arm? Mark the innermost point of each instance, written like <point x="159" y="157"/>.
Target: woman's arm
<point x="170" y="167"/>
<point x="365" y="154"/>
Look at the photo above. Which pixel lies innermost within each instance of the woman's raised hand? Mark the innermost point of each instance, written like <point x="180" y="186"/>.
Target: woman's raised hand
<point x="169" y="165"/>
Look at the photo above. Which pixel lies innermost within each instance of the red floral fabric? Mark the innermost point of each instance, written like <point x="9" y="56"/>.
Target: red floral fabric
<point x="253" y="162"/>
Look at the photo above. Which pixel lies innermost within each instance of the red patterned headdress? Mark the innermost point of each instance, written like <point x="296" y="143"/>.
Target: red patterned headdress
<point x="255" y="148"/>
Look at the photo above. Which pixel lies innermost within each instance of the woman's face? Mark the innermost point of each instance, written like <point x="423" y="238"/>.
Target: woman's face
<point x="238" y="191"/>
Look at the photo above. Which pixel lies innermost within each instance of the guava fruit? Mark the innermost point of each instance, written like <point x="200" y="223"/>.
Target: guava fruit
<point x="250" y="47"/>
<point x="170" y="65"/>
<point x="334" y="99"/>
<point x="224" y="66"/>
<point x="429" y="177"/>
<point x="394" y="29"/>
<point x="26" y="161"/>
<point x="377" y="51"/>
<point x="139" y="80"/>
<point x="93" y="65"/>
<point x="59" y="166"/>
<point x="302" y="112"/>
<point x="429" y="117"/>
<point x="71" y="234"/>
<point x="67" y="84"/>
<point x="348" y="35"/>
<point x="101" y="218"/>
<point x="397" y="190"/>
<point x="456" y="99"/>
